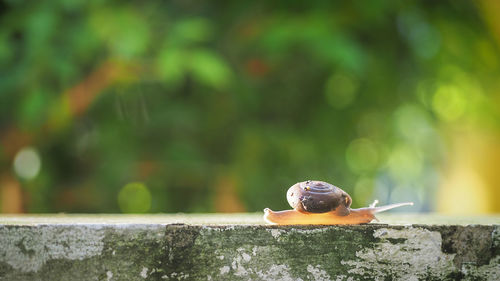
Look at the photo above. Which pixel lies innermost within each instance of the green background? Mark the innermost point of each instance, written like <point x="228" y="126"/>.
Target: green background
<point x="204" y="106"/>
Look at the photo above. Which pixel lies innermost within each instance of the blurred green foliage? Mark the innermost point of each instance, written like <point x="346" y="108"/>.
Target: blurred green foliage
<point x="262" y="93"/>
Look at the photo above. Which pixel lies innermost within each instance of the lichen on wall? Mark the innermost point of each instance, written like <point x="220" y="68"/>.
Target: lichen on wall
<point x="248" y="252"/>
<point x="403" y="253"/>
<point x="28" y="249"/>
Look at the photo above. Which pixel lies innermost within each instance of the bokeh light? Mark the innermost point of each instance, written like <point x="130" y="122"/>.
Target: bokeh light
<point x="134" y="198"/>
<point x="405" y="163"/>
<point x="449" y="102"/>
<point x="27" y="163"/>
<point x="413" y="123"/>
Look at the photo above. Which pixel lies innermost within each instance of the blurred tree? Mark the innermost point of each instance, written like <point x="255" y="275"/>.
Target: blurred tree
<point x="133" y="106"/>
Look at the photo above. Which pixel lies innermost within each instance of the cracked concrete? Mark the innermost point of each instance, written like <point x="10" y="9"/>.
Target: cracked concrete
<point x="174" y="251"/>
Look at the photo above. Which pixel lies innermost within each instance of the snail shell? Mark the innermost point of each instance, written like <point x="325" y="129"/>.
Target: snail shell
<point x="318" y="202"/>
<point x="318" y="197"/>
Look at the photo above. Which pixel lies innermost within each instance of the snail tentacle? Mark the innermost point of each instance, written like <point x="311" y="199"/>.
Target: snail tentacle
<point x="391" y="206"/>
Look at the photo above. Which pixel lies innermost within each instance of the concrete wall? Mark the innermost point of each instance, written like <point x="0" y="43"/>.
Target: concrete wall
<point x="156" y="251"/>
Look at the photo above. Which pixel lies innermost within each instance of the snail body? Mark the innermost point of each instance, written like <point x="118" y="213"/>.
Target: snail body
<point x="318" y="202"/>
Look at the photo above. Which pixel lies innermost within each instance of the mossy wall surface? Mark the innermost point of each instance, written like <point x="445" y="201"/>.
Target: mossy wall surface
<point x="248" y="252"/>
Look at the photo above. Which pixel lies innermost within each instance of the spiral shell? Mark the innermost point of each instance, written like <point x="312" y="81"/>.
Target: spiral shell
<point x="318" y="197"/>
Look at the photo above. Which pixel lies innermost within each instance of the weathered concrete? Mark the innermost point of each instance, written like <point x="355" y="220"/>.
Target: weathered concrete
<point x="158" y="247"/>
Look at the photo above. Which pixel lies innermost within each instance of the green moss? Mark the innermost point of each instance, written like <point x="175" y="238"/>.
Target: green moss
<point x="243" y="252"/>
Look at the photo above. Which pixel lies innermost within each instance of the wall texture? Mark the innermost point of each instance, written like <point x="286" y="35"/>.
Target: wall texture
<point x="117" y="251"/>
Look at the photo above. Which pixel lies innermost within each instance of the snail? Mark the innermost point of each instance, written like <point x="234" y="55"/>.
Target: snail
<point x="318" y="202"/>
